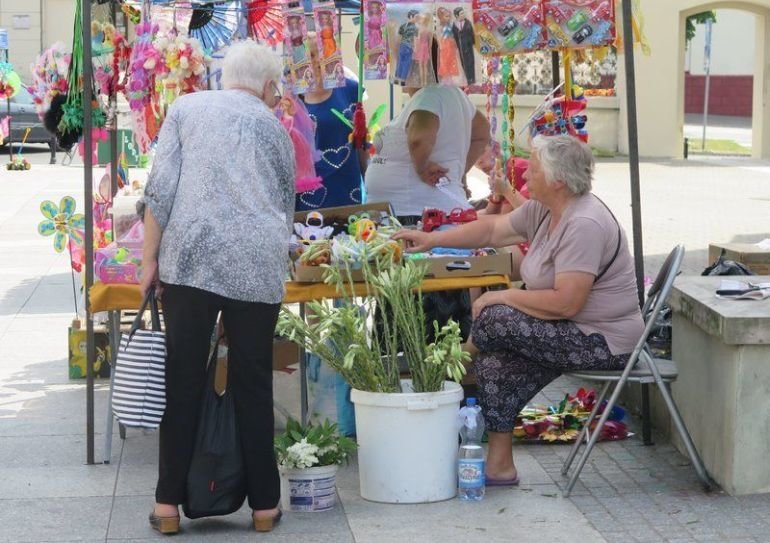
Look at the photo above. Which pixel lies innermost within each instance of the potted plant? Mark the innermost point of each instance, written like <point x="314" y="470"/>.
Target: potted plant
<point x="406" y="427"/>
<point x="308" y="457"/>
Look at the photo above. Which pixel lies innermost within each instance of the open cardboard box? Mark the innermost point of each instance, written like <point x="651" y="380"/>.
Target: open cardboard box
<point x="473" y="266"/>
<point x="342" y="213"/>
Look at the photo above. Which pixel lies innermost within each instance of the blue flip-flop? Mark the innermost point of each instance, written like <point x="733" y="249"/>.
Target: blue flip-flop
<point x="489" y="481"/>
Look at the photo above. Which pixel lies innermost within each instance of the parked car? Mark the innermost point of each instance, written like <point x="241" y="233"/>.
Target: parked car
<point x="23" y="116"/>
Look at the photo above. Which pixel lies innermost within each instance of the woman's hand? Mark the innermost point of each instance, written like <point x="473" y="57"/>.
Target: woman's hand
<point x="492" y="297"/>
<point x="417" y="241"/>
<point x="431" y="173"/>
<point x="150" y="279"/>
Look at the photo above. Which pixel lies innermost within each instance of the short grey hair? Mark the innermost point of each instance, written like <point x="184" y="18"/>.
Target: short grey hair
<point x="566" y="159"/>
<point x="249" y="65"/>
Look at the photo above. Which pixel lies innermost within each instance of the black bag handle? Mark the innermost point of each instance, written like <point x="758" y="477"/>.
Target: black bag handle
<point x="154" y="314"/>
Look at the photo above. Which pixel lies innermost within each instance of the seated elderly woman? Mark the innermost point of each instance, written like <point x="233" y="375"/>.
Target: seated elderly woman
<point x="579" y="309"/>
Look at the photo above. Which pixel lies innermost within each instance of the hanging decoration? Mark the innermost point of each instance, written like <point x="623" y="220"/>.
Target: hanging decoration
<point x="65" y="116"/>
<point x="579" y="23"/>
<point x="328" y="41"/>
<point x="265" y="21"/>
<point x="410" y="24"/>
<point x="297" y="122"/>
<point x="10" y="82"/>
<point x="375" y="49"/>
<point x="509" y="27"/>
<point x="560" y="115"/>
<point x="214" y="24"/>
<point x="295" y="50"/>
<point x="49" y="77"/>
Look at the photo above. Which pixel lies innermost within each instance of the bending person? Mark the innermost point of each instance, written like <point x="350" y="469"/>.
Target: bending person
<point x="580" y="308"/>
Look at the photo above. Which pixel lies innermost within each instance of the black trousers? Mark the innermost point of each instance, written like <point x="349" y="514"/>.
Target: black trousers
<point x="190" y="315"/>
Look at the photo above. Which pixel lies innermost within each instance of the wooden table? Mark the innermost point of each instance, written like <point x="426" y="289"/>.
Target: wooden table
<point x="115" y="298"/>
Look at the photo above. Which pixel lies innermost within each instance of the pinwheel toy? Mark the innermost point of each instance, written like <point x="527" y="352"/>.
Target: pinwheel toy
<point x="361" y="134"/>
<point x="10" y="82"/>
<point x="62" y="222"/>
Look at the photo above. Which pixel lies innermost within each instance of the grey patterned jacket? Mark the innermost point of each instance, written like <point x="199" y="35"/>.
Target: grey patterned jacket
<point x="222" y="190"/>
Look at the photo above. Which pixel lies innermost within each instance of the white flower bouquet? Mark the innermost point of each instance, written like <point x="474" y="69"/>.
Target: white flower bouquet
<point x="302" y="447"/>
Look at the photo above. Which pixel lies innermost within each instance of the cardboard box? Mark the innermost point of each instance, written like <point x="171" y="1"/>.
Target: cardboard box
<point x="285" y="354"/>
<point x="754" y="258"/>
<point x="474" y="266"/>
<point x="77" y="353"/>
<point x="342" y="213"/>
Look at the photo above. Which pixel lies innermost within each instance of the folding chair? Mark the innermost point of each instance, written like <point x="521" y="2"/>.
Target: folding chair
<point x="642" y="367"/>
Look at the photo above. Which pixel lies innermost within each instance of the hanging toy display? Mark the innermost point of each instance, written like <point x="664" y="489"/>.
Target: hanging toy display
<point x="65" y="116"/>
<point x="184" y="65"/>
<point x="49" y="77"/>
<point x="410" y="31"/>
<point x="561" y="115"/>
<point x="504" y="27"/>
<point x="450" y="69"/>
<point x="375" y="47"/>
<point x="297" y="122"/>
<point x="296" y="52"/>
<point x="362" y="138"/>
<point x="265" y="20"/>
<point x="579" y="23"/>
<point x="328" y="40"/>
<point x="10" y="82"/>
<point x="455" y="18"/>
<point x="146" y="63"/>
<point x="214" y="24"/>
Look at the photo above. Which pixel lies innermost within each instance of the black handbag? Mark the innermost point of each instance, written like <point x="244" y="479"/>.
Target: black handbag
<point x="726" y="267"/>
<point x="216" y="482"/>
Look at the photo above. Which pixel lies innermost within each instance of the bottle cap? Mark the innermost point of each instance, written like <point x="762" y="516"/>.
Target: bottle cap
<point x="470" y="402"/>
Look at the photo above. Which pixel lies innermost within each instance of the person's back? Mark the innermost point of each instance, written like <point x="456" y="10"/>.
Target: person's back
<point x="391" y="176"/>
<point x="229" y="202"/>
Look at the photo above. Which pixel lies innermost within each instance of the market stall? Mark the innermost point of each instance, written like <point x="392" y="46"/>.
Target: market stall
<point x="500" y="33"/>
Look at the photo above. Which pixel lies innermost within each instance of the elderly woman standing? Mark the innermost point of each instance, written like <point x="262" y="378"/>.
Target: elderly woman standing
<point x="217" y="229"/>
<point x="580" y="308"/>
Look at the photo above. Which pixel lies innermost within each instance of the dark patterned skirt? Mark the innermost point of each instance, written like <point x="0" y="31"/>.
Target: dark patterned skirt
<point x="520" y="354"/>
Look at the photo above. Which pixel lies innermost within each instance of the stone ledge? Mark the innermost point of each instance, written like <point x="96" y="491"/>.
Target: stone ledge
<point x="736" y="322"/>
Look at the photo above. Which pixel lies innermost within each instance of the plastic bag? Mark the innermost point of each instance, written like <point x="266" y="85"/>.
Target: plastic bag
<point x="726" y="267"/>
<point x="216" y="482"/>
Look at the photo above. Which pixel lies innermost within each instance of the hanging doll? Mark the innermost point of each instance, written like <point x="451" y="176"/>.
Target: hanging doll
<point x="374" y="26"/>
<point x="407" y="33"/>
<point x="297" y="39"/>
<point x="449" y="72"/>
<point x="295" y="119"/>
<point x="328" y="41"/>
<point x="422" y="50"/>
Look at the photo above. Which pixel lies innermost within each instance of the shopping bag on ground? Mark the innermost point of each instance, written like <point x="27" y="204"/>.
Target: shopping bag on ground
<point x="139" y="388"/>
<point x="216" y="482"/>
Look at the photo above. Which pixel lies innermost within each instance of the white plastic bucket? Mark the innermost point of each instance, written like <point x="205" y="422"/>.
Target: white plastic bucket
<point x="407" y="444"/>
<point x="309" y="490"/>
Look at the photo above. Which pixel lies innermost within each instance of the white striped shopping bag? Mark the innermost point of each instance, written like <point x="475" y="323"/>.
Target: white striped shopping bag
<point x="139" y="387"/>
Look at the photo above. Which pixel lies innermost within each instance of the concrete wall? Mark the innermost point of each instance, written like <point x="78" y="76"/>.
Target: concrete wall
<point x="732" y="45"/>
<point x="24" y="43"/>
<point x="660" y="76"/>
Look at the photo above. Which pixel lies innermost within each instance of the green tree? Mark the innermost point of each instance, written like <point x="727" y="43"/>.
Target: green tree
<point x="698" y="18"/>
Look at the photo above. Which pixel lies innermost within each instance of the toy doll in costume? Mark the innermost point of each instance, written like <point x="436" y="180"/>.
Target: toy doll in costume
<point x="407" y="33"/>
<point x="327" y="35"/>
<point x="297" y="39"/>
<point x="422" y="51"/>
<point x="295" y="119"/>
<point x="449" y="68"/>
<point x="374" y="25"/>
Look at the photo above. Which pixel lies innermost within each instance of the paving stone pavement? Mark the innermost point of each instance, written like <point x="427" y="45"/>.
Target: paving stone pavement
<point x="628" y="492"/>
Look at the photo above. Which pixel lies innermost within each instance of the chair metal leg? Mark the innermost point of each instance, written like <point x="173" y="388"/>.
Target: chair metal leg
<point x="585" y="430"/>
<point x="597" y="432"/>
<point x="113" y="321"/>
<point x="692" y="452"/>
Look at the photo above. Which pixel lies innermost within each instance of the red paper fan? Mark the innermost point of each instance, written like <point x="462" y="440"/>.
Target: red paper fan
<point x="266" y="21"/>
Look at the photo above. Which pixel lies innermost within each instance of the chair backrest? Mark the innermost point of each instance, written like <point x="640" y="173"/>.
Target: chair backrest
<point x="657" y="295"/>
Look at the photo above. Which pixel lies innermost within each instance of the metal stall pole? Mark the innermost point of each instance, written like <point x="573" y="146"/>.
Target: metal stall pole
<point x="555" y="68"/>
<point x="114" y="132"/>
<point x="88" y="186"/>
<point x="636" y="206"/>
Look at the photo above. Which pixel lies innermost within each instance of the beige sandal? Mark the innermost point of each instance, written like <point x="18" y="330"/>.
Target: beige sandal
<point x="165" y="525"/>
<point x="267" y="524"/>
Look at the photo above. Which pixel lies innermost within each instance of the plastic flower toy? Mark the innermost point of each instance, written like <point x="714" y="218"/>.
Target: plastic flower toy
<point x="10" y="82"/>
<point x="61" y="221"/>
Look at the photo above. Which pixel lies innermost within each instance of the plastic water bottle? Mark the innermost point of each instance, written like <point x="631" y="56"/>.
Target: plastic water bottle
<point x="470" y="460"/>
